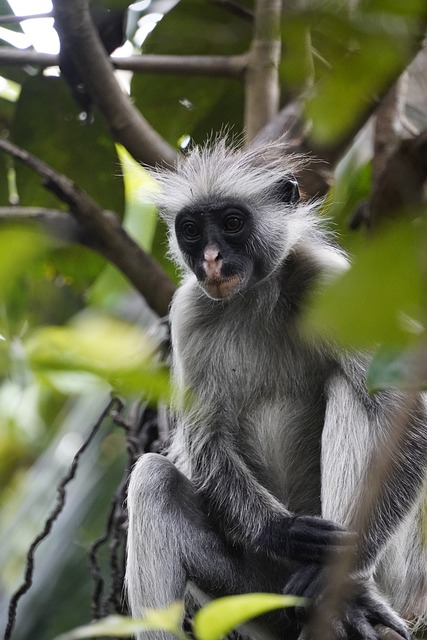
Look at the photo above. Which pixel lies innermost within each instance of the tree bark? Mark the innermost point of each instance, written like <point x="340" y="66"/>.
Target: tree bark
<point x="80" y="38"/>
<point x="262" y="73"/>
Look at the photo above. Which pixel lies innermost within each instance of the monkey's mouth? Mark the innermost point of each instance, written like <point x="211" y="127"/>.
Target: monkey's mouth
<point x="220" y="288"/>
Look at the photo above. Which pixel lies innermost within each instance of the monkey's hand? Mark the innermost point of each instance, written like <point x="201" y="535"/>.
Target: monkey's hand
<point x="360" y="613"/>
<point x="310" y="539"/>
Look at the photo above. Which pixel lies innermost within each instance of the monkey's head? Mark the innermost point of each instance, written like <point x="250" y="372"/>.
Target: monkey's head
<point x="233" y="216"/>
<point x="219" y="239"/>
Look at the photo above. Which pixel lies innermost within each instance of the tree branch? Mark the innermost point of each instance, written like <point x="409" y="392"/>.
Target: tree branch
<point x="262" y="75"/>
<point x="81" y="41"/>
<point x="104" y="233"/>
<point x="220" y="66"/>
<point x="36" y="214"/>
<point x="12" y="19"/>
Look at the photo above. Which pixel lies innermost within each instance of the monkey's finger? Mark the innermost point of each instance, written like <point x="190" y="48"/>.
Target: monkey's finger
<point x="307" y="533"/>
<point x="313" y="527"/>
<point x="338" y="628"/>
<point x="306" y="552"/>
<point x="304" y="583"/>
<point x="301" y="580"/>
<point x="380" y="613"/>
<point x="356" y="619"/>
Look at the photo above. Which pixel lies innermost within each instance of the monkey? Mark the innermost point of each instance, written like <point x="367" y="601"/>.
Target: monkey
<point x="273" y="429"/>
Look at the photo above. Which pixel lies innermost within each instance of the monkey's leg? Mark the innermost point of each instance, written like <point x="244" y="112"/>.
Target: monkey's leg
<point x="170" y="541"/>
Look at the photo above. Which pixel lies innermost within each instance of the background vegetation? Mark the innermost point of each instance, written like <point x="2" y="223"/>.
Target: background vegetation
<point x="83" y="272"/>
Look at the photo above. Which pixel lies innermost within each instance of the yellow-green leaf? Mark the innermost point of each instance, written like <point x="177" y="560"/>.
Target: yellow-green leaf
<point x="221" y="616"/>
<point x="109" y="348"/>
<point x="121" y="626"/>
<point x="380" y="299"/>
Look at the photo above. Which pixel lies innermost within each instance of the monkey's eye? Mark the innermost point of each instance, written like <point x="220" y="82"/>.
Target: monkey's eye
<point x="190" y="230"/>
<point x="233" y="223"/>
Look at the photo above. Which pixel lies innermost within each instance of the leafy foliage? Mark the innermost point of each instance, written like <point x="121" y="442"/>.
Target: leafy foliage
<point x="214" y="621"/>
<point x="71" y="325"/>
<point x="357" y="51"/>
<point x="385" y="279"/>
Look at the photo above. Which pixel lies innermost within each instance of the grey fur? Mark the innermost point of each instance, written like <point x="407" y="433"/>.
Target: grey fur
<point x="276" y="424"/>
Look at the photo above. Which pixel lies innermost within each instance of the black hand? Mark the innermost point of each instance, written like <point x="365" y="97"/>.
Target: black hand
<point x="363" y="609"/>
<point x="311" y="539"/>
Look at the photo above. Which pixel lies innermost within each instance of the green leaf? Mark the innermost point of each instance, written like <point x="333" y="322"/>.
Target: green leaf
<point x="120" y="626"/>
<point x="216" y="619"/>
<point x="380" y="299"/>
<point x="120" y="354"/>
<point x="19" y="249"/>
<point x="357" y="52"/>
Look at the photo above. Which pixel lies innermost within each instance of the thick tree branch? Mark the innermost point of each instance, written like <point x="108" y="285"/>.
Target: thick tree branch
<point x="217" y="66"/>
<point x="262" y="75"/>
<point x="81" y="41"/>
<point x="103" y="232"/>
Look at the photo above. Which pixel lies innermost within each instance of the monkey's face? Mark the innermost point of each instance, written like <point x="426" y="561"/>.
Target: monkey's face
<point x="217" y="243"/>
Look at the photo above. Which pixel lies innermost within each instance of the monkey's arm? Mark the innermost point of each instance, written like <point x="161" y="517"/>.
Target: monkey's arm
<point x="251" y="516"/>
<point x="358" y="427"/>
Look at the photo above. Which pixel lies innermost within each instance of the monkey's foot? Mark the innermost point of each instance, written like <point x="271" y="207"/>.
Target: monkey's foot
<point x="361" y="612"/>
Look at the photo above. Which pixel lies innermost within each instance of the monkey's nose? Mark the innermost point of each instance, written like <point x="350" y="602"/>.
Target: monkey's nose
<point x="212" y="255"/>
<point x="212" y="263"/>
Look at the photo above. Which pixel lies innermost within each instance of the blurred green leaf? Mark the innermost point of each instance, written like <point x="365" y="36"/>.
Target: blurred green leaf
<point x="19" y="248"/>
<point x="216" y="619"/>
<point x="357" y="52"/>
<point x="120" y="354"/>
<point x="120" y="626"/>
<point x="350" y="189"/>
<point x="380" y="298"/>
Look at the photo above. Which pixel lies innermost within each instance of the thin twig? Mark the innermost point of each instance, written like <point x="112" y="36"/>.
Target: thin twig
<point x="220" y="66"/>
<point x="12" y="18"/>
<point x="60" y="503"/>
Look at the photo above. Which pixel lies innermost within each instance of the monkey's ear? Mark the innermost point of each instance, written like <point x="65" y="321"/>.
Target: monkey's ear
<point x="288" y="190"/>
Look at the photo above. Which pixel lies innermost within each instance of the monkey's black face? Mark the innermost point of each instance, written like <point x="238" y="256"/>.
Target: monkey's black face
<point x="215" y="241"/>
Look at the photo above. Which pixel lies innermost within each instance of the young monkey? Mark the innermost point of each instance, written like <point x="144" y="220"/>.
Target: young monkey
<point x="267" y="461"/>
